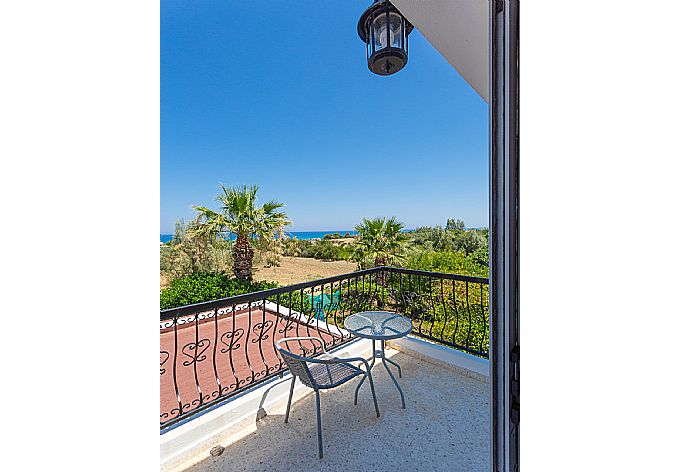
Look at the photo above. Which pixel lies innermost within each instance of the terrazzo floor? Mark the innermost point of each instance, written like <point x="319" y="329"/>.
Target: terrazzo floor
<point x="446" y="427"/>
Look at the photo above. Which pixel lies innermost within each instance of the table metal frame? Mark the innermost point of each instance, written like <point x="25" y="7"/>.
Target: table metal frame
<point x="381" y="354"/>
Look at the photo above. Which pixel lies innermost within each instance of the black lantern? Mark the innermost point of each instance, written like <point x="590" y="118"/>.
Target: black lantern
<point x="383" y="28"/>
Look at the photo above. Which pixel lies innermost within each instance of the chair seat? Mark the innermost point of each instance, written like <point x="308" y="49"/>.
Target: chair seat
<point x="332" y="375"/>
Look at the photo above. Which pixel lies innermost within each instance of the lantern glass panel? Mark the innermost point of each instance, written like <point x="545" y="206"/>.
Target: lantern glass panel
<point x="370" y="37"/>
<point x="403" y="39"/>
<point x="395" y="25"/>
<point x="380" y="32"/>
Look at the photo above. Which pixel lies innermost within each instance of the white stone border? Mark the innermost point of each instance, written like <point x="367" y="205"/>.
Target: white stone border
<point x="467" y="364"/>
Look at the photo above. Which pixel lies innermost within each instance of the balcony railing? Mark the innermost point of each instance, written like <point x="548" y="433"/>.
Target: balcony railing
<point x="214" y="350"/>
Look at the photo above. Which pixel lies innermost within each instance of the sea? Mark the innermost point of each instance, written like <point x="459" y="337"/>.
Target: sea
<point x="292" y="234"/>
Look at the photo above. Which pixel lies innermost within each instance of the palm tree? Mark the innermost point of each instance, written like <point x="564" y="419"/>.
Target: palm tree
<point x="380" y="239"/>
<point x="240" y="215"/>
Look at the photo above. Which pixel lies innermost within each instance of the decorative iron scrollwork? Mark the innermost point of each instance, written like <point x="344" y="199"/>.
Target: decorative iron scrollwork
<point x="231" y="344"/>
<point x="452" y="313"/>
<point x="169" y="323"/>
<point x="165" y="354"/>
<point x="262" y="329"/>
<point x="287" y="323"/>
<point x="356" y="300"/>
<point x="409" y="303"/>
<point x="197" y="351"/>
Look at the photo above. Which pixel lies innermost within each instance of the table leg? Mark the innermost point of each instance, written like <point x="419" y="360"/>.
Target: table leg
<point x="373" y="361"/>
<point x="385" y="361"/>
<point x="373" y="353"/>
<point x="396" y="365"/>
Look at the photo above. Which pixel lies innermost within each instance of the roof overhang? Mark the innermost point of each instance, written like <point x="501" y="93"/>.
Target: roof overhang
<point x="459" y="30"/>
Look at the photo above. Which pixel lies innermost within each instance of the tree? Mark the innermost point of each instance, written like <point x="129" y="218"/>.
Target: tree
<point x="379" y="239"/>
<point x="469" y="241"/>
<point x="453" y="224"/>
<point x="189" y="252"/>
<point x="240" y="216"/>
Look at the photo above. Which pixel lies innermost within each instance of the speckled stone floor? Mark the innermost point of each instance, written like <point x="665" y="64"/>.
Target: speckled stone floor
<point x="446" y="427"/>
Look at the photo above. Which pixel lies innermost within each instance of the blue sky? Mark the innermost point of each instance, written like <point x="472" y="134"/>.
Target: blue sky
<point x="278" y="94"/>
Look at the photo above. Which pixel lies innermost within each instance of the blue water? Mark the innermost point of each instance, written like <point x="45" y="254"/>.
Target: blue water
<point x="296" y="234"/>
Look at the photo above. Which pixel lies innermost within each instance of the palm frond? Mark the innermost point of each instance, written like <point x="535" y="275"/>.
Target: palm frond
<point x="379" y="238"/>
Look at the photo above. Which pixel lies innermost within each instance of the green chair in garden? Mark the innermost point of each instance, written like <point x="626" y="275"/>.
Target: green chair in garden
<point x="324" y="303"/>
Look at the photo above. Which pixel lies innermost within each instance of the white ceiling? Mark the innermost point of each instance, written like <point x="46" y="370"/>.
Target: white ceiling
<point x="459" y="30"/>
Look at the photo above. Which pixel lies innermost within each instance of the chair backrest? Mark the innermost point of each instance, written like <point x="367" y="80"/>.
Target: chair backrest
<point x="297" y="365"/>
<point x="317" y="304"/>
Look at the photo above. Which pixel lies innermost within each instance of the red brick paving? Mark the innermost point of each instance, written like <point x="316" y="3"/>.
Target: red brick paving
<point x="250" y="359"/>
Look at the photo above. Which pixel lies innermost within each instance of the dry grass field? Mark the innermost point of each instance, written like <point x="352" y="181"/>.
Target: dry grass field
<point x="293" y="270"/>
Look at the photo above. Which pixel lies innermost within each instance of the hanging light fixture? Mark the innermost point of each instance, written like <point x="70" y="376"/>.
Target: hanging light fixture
<point x="385" y="31"/>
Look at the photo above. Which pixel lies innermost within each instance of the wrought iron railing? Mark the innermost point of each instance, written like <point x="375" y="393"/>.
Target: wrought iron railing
<point x="214" y="350"/>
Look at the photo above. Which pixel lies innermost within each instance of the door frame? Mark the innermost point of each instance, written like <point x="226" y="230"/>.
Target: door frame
<point x="504" y="233"/>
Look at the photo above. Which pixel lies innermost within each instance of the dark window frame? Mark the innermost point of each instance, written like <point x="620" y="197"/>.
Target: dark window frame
<point x="504" y="234"/>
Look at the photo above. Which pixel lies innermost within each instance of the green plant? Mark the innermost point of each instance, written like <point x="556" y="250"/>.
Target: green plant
<point x="446" y="261"/>
<point x="332" y="236"/>
<point x="328" y="251"/>
<point x="453" y="311"/>
<point x="206" y="286"/>
<point x="189" y="252"/>
<point x="267" y="252"/>
<point x="240" y="215"/>
<point x="319" y="249"/>
<point x="290" y="247"/>
<point x="272" y="259"/>
<point x="470" y="241"/>
<point x="453" y="238"/>
<point x="480" y="256"/>
<point x="380" y="239"/>
<point x="453" y="224"/>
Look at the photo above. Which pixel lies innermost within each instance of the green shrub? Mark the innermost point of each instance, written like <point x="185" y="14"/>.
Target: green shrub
<point x="480" y="256"/>
<point x="332" y="236"/>
<point x="446" y="261"/>
<point x="291" y="247"/>
<point x="206" y="286"/>
<point x="453" y="238"/>
<point x="188" y="253"/>
<point x="272" y="259"/>
<point x="319" y="249"/>
<point x="328" y="251"/>
<point x="449" y="310"/>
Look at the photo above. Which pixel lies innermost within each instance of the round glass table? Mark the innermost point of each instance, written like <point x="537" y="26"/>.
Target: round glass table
<point x="379" y="326"/>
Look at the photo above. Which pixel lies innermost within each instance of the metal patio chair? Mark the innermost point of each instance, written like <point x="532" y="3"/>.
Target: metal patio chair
<point x="320" y="374"/>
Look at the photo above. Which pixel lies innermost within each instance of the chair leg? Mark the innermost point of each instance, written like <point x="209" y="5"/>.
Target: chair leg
<point x="358" y="387"/>
<point x="292" y="387"/>
<point x="318" y="423"/>
<point x="373" y="394"/>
